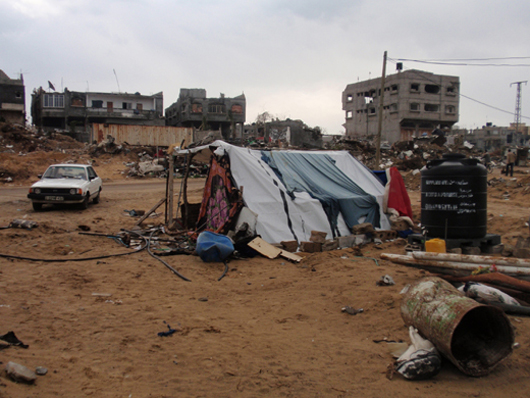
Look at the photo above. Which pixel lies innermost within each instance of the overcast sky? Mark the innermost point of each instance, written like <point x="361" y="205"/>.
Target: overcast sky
<point x="291" y="58"/>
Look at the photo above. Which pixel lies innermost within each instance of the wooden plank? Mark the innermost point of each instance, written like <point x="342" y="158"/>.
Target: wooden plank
<point x="264" y="248"/>
<point x="141" y="220"/>
<point x="290" y="256"/>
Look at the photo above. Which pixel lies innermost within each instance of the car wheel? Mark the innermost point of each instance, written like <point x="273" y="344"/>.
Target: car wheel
<point x="84" y="204"/>
<point x="37" y="206"/>
<point x="96" y="198"/>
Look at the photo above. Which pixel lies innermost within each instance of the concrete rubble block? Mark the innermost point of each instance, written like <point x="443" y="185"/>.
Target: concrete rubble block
<point x="385" y="235"/>
<point x="20" y="373"/>
<point x="318" y="236"/>
<point x="310" y="247"/>
<point x="507" y="250"/>
<point x="521" y="253"/>
<point x="330" y="244"/>
<point x="361" y="239"/>
<point x="346" y="241"/>
<point x="522" y="243"/>
<point x="364" y="228"/>
<point x="496" y="249"/>
<point x="471" y="250"/>
<point x="148" y="167"/>
<point x="289" y="245"/>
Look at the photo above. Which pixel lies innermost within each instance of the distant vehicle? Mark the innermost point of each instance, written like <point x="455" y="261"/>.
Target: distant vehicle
<point x="66" y="183"/>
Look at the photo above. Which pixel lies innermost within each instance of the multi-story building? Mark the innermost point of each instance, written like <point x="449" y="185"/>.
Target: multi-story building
<point x="414" y="102"/>
<point x="75" y="111"/>
<point x="194" y="109"/>
<point x="491" y="137"/>
<point x="12" y="99"/>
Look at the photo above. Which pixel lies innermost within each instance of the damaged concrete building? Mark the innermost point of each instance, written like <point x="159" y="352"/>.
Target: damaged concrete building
<point x="194" y="109"/>
<point x="12" y="99"/>
<point x="490" y="137"/>
<point x="414" y="102"/>
<point x="74" y="112"/>
<point x="292" y="132"/>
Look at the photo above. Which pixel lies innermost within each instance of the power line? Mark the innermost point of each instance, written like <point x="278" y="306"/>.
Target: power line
<point x="492" y="107"/>
<point x="456" y="63"/>
<point x="472" y="59"/>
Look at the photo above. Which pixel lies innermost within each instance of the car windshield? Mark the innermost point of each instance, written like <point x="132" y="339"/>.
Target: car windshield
<point x="65" y="172"/>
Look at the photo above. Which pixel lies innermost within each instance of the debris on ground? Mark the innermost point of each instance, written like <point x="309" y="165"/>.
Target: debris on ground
<point x="421" y="360"/>
<point x="351" y="311"/>
<point x="20" y="373"/>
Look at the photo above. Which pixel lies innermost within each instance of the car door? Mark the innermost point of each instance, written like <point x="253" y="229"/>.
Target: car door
<point x="94" y="181"/>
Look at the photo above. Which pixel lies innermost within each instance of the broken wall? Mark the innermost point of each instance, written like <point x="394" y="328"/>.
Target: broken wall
<point x="142" y="135"/>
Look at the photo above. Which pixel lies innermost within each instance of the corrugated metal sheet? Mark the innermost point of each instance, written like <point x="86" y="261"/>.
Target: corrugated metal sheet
<point x="143" y="135"/>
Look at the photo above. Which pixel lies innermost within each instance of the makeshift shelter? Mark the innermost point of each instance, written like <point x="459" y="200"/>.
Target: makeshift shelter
<point x="291" y="192"/>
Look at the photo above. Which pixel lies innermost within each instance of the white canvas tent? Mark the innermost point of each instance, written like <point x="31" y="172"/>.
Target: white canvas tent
<point x="283" y="215"/>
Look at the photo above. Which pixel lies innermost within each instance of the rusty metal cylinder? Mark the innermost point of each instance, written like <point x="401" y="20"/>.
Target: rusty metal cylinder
<point x="473" y="336"/>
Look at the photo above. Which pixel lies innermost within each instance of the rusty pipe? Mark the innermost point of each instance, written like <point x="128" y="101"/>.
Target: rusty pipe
<point x="473" y="336"/>
<point x="464" y="258"/>
<point x="410" y="260"/>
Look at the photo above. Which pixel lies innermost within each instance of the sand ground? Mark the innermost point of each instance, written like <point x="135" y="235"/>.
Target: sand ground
<point x="270" y="328"/>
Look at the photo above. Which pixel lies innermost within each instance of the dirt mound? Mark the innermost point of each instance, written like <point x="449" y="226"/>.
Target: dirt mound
<point x="16" y="138"/>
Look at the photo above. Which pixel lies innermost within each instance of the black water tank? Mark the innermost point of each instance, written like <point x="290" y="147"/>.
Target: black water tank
<point x="454" y="198"/>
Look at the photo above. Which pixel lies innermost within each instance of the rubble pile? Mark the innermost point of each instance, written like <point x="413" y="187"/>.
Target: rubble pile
<point x="407" y="155"/>
<point x="18" y="139"/>
<point x="38" y="150"/>
<point x="507" y="188"/>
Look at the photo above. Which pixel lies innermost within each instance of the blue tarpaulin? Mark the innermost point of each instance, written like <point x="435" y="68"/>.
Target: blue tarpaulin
<point x="318" y="175"/>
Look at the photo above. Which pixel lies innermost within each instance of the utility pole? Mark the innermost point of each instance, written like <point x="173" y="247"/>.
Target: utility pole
<point x="380" y="118"/>
<point x="518" y="104"/>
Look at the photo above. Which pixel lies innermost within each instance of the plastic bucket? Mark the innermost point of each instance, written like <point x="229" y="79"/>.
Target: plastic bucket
<point x="213" y="247"/>
<point x="435" y="245"/>
<point x="474" y="337"/>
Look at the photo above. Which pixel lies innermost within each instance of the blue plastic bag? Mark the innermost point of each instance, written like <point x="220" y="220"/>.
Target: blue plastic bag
<point x="213" y="247"/>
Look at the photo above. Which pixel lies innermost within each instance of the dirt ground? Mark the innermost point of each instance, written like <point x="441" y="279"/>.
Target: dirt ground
<point x="270" y="328"/>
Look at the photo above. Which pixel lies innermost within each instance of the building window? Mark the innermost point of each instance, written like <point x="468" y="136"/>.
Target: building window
<point x="139" y="107"/>
<point x="97" y="104"/>
<point x="76" y="101"/>
<point x="432" y="88"/>
<point x="196" y="108"/>
<point x="18" y="94"/>
<point x="371" y="111"/>
<point x="349" y="97"/>
<point x="414" y="107"/>
<point x="53" y="101"/>
<point x="414" y="87"/>
<point x="394" y="88"/>
<point x="216" y="108"/>
<point x="393" y="108"/>
<point x="126" y="105"/>
<point x="431" y="107"/>
<point x="451" y="90"/>
<point x="237" y="109"/>
<point x="450" y="109"/>
<point x="349" y="114"/>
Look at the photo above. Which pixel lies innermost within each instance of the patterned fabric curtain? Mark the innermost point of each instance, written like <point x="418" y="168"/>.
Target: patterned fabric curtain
<point x="220" y="204"/>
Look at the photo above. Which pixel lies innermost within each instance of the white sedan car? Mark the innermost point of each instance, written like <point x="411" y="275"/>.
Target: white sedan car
<point x="66" y="183"/>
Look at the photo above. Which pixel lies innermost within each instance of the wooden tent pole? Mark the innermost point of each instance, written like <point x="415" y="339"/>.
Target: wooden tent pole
<point x="169" y="195"/>
<point x="185" y="191"/>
